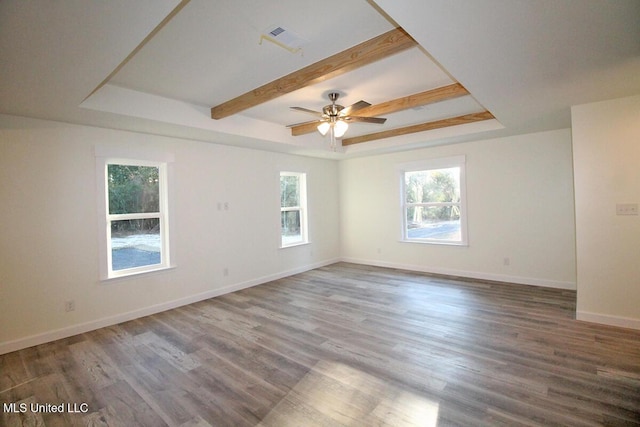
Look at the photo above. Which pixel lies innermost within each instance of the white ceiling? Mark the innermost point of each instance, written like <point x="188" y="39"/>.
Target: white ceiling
<point x="525" y="61"/>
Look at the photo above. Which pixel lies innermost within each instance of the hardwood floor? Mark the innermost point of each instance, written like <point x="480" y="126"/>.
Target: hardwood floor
<point x="342" y="345"/>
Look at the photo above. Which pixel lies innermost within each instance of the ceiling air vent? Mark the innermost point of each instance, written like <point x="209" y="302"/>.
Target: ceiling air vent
<point x="276" y="32"/>
<point x="284" y="38"/>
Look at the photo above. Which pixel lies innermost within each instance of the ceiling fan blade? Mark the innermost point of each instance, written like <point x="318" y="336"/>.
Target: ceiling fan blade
<point x="308" y="111"/>
<point x="376" y="120"/>
<point x="305" y="123"/>
<point x="354" y="107"/>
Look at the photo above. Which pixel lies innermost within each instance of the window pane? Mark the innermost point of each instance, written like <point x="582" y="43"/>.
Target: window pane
<point x="289" y="191"/>
<point x="434" y="222"/>
<point x="291" y="230"/>
<point x="135" y="243"/>
<point x="133" y="189"/>
<point x="435" y="185"/>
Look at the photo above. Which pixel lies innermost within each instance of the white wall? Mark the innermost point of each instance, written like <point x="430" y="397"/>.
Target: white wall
<point x="520" y="206"/>
<point x="49" y="218"/>
<point x="606" y="147"/>
<point x="519" y="195"/>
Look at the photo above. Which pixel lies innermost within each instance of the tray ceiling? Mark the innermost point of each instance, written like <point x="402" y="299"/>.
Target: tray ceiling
<point x="161" y="66"/>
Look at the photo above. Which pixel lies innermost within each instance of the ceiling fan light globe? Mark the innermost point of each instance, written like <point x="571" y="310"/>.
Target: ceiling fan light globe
<point x="323" y="128"/>
<point x="340" y="128"/>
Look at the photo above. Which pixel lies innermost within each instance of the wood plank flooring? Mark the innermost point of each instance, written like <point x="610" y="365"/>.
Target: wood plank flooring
<point x="344" y="345"/>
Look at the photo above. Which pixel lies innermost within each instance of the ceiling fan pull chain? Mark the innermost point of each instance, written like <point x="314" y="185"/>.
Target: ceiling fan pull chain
<point x="332" y="138"/>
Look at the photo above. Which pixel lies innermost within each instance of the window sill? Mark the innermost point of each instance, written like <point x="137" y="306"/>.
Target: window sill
<point x="158" y="270"/>
<point x="434" y="242"/>
<point x="293" y="245"/>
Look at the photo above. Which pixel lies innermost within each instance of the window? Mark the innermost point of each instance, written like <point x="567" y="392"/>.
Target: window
<point x="293" y="208"/>
<point x="136" y="217"/>
<point x="433" y="201"/>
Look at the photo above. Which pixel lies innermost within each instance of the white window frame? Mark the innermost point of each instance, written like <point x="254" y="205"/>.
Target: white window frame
<point x="433" y="164"/>
<point x="106" y="266"/>
<point x="302" y="208"/>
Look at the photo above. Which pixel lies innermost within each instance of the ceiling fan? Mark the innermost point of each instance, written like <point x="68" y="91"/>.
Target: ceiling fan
<point x="334" y="118"/>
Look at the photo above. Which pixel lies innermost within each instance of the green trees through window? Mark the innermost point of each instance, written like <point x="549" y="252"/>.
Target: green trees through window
<point x="292" y="208"/>
<point x="435" y="193"/>
<point x="133" y="189"/>
<point x="135" y="216"/>
<point x="432" y="200"/>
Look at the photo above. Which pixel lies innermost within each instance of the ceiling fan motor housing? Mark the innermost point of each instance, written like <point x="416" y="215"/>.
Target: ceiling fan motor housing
<point x="332" y="110"/>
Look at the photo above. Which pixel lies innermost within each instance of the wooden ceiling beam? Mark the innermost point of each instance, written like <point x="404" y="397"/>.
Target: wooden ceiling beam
<point x="365" y="53"/>
<point x="416" y="100"/>
<point x="443" y="93"/>
<point x="438" y="124"/>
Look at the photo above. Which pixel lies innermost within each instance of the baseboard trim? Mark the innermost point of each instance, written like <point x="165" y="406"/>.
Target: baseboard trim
<point x="468" y="274"/>
<point x="69" y="331"/>
<point x="606" y="319"/>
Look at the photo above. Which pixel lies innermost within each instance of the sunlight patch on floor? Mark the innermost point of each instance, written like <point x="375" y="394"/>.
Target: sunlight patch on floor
<point x="340" y="395"/>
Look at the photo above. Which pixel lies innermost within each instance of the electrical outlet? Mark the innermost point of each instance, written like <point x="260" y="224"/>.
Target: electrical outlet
<point x="225" y="272"/>
<point x="627" y="209"/>
<point x="69" y="305"/>
<point x="506" y="261"/>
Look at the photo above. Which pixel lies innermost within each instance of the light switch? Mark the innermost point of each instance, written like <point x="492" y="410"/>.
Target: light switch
<point x="627" y="209"/>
